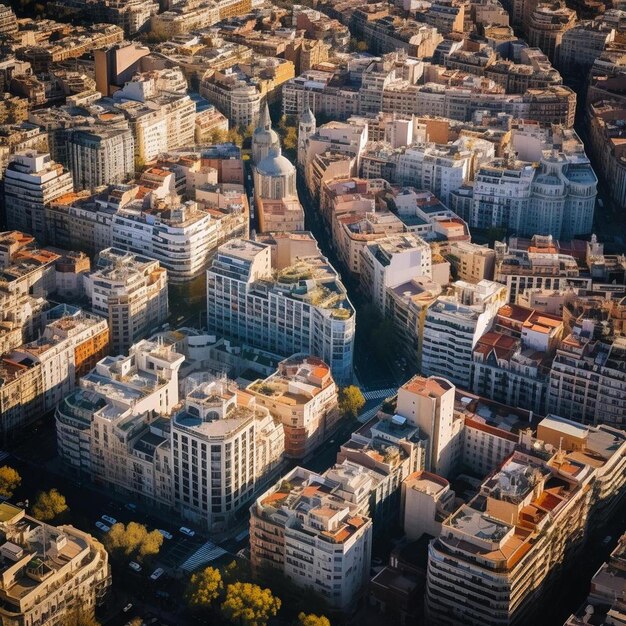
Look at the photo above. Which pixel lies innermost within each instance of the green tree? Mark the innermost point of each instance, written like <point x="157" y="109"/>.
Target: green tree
<point x="10" y="480"/>
<point x="312" y="620"/>
<point x="351" y="401"/>
<point x="204" y="588"/>
<point x="49" y="505"/>
<point x="249" y="605"/>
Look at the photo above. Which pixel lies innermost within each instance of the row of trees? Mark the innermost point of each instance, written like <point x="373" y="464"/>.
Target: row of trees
<point x="242" y="603"/>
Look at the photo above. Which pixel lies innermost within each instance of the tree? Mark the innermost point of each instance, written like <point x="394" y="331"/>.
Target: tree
<point x="204" y="588"/>
<point x="10" y="480"/>
<point x="312" y="620"/>
<point x="133" y="539"/>
<point x="234" y="136"/>
<point x="218" y="135"/>
<point x="49" y="504"/>
<point x="290" y="140"/>
<point x="351" y="401"/>
<point x="150" y="545"/>
<point x="249" y="605"/>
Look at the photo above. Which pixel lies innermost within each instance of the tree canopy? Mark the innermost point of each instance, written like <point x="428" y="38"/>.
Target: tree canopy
<point x="133" y="539"/>
<point x="204" y="588"/>
<point x="351" y="401"/>
<point x="249" y="604"/>
<point x="49" y="505"/>
<point x="312" y="620"/>
<point x="10" y="480"/>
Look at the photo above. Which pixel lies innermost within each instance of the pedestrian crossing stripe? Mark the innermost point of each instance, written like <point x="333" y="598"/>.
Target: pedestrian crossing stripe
<point x="204" y="554"/>
<point x="380" y="393"/>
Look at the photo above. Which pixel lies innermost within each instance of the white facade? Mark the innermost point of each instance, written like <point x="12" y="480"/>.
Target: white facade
<point x="131" y="292"/>
<point x="294" y="305"/>
<point x="31" y="181"/>
<point x="224" y="448"/>
<point x="453" y="325"/>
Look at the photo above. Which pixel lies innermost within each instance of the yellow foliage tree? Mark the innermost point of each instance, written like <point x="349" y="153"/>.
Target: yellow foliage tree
<point x="49" y="504"/>
<point x="312" y="620"/>
<point x="10" y="480"/>
<point x="150" y="545"/>
<point x="351" y="401"/>
<point x="132" y="539"/>
<point x="204" y="588"/>
<point x="249" y="605"/>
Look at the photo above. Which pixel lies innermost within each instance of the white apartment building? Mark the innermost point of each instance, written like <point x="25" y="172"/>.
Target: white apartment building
<point x="48" y="572"/>
<point x="292" y="303"/>
<point x="521" y="270"/>
<point x="67" y="348"/>
<point x="440" y="169"/>
<point x="391" y="261"/>
<point x="109" y="428"/>
<point x="225" y="447"/>
<point x="453" y="325"/>
<point x="314" y="535"/>
<point x="130" y="291"/>
<point x="303" y="396"/>
<point x="31" y="181"/>
<point x="587" y="378"/>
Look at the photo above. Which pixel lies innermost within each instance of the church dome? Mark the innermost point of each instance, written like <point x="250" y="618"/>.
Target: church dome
<point x="275" y="164"/>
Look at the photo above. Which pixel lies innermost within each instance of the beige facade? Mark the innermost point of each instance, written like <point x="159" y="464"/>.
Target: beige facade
<point x="48" y="572"/>
<point x="303" y="396"/>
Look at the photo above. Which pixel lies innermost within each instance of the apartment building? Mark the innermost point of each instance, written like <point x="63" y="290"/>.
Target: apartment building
<point x="472" y="262"/>
<point x="98" y="156"/>
<point x="49" y="572"/>
<point x="225" y="448"/>
<point x="529" y="520"/>
<point x="581" y="45"/>
<point x="453" y="325"/>
<point x="185" y="17"/>
<point x="536" y="268"/>
<point x="109" y="429"/>
<point x="587" y="378"/>
<point x="37" y="375"/>
<point x="32" y="181"/>
<point x="314" y="535"/>
<point x="303" y="396"/>
<point x="391" y="261"/>
<point x="286" y="303"/>
<point x="130" y="291"/>
<point x="547" y="25"/>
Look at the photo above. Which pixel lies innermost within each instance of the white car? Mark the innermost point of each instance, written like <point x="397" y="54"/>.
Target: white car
<point x="103" y="527"/>
<point x="187" y="531"/>
<point x="134" y="566"/>
<point x="109" y="520"/>
<point x="158" y="572"/>
<point x="165" y="534"/>
<point x="127" y="608"/>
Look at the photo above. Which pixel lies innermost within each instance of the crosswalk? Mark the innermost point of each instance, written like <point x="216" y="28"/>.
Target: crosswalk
<point x="367" y="416"/>
<point x="380" y="394"/>
<point x="204" y="554"/>
<point x="4" y="455"/>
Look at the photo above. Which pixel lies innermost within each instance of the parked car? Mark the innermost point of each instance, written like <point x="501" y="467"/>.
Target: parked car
<point x="103" y="527"/>
<point x="127" y="608"/>
<point x="165" y="534"/>
<point x="607" y="540"/>
<point x="134" y="566"/>
<point x="158" y="572"/>
<point x="130" y="506"/>
<point x="187" y="531"/>
<point x="109" y="520"/>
